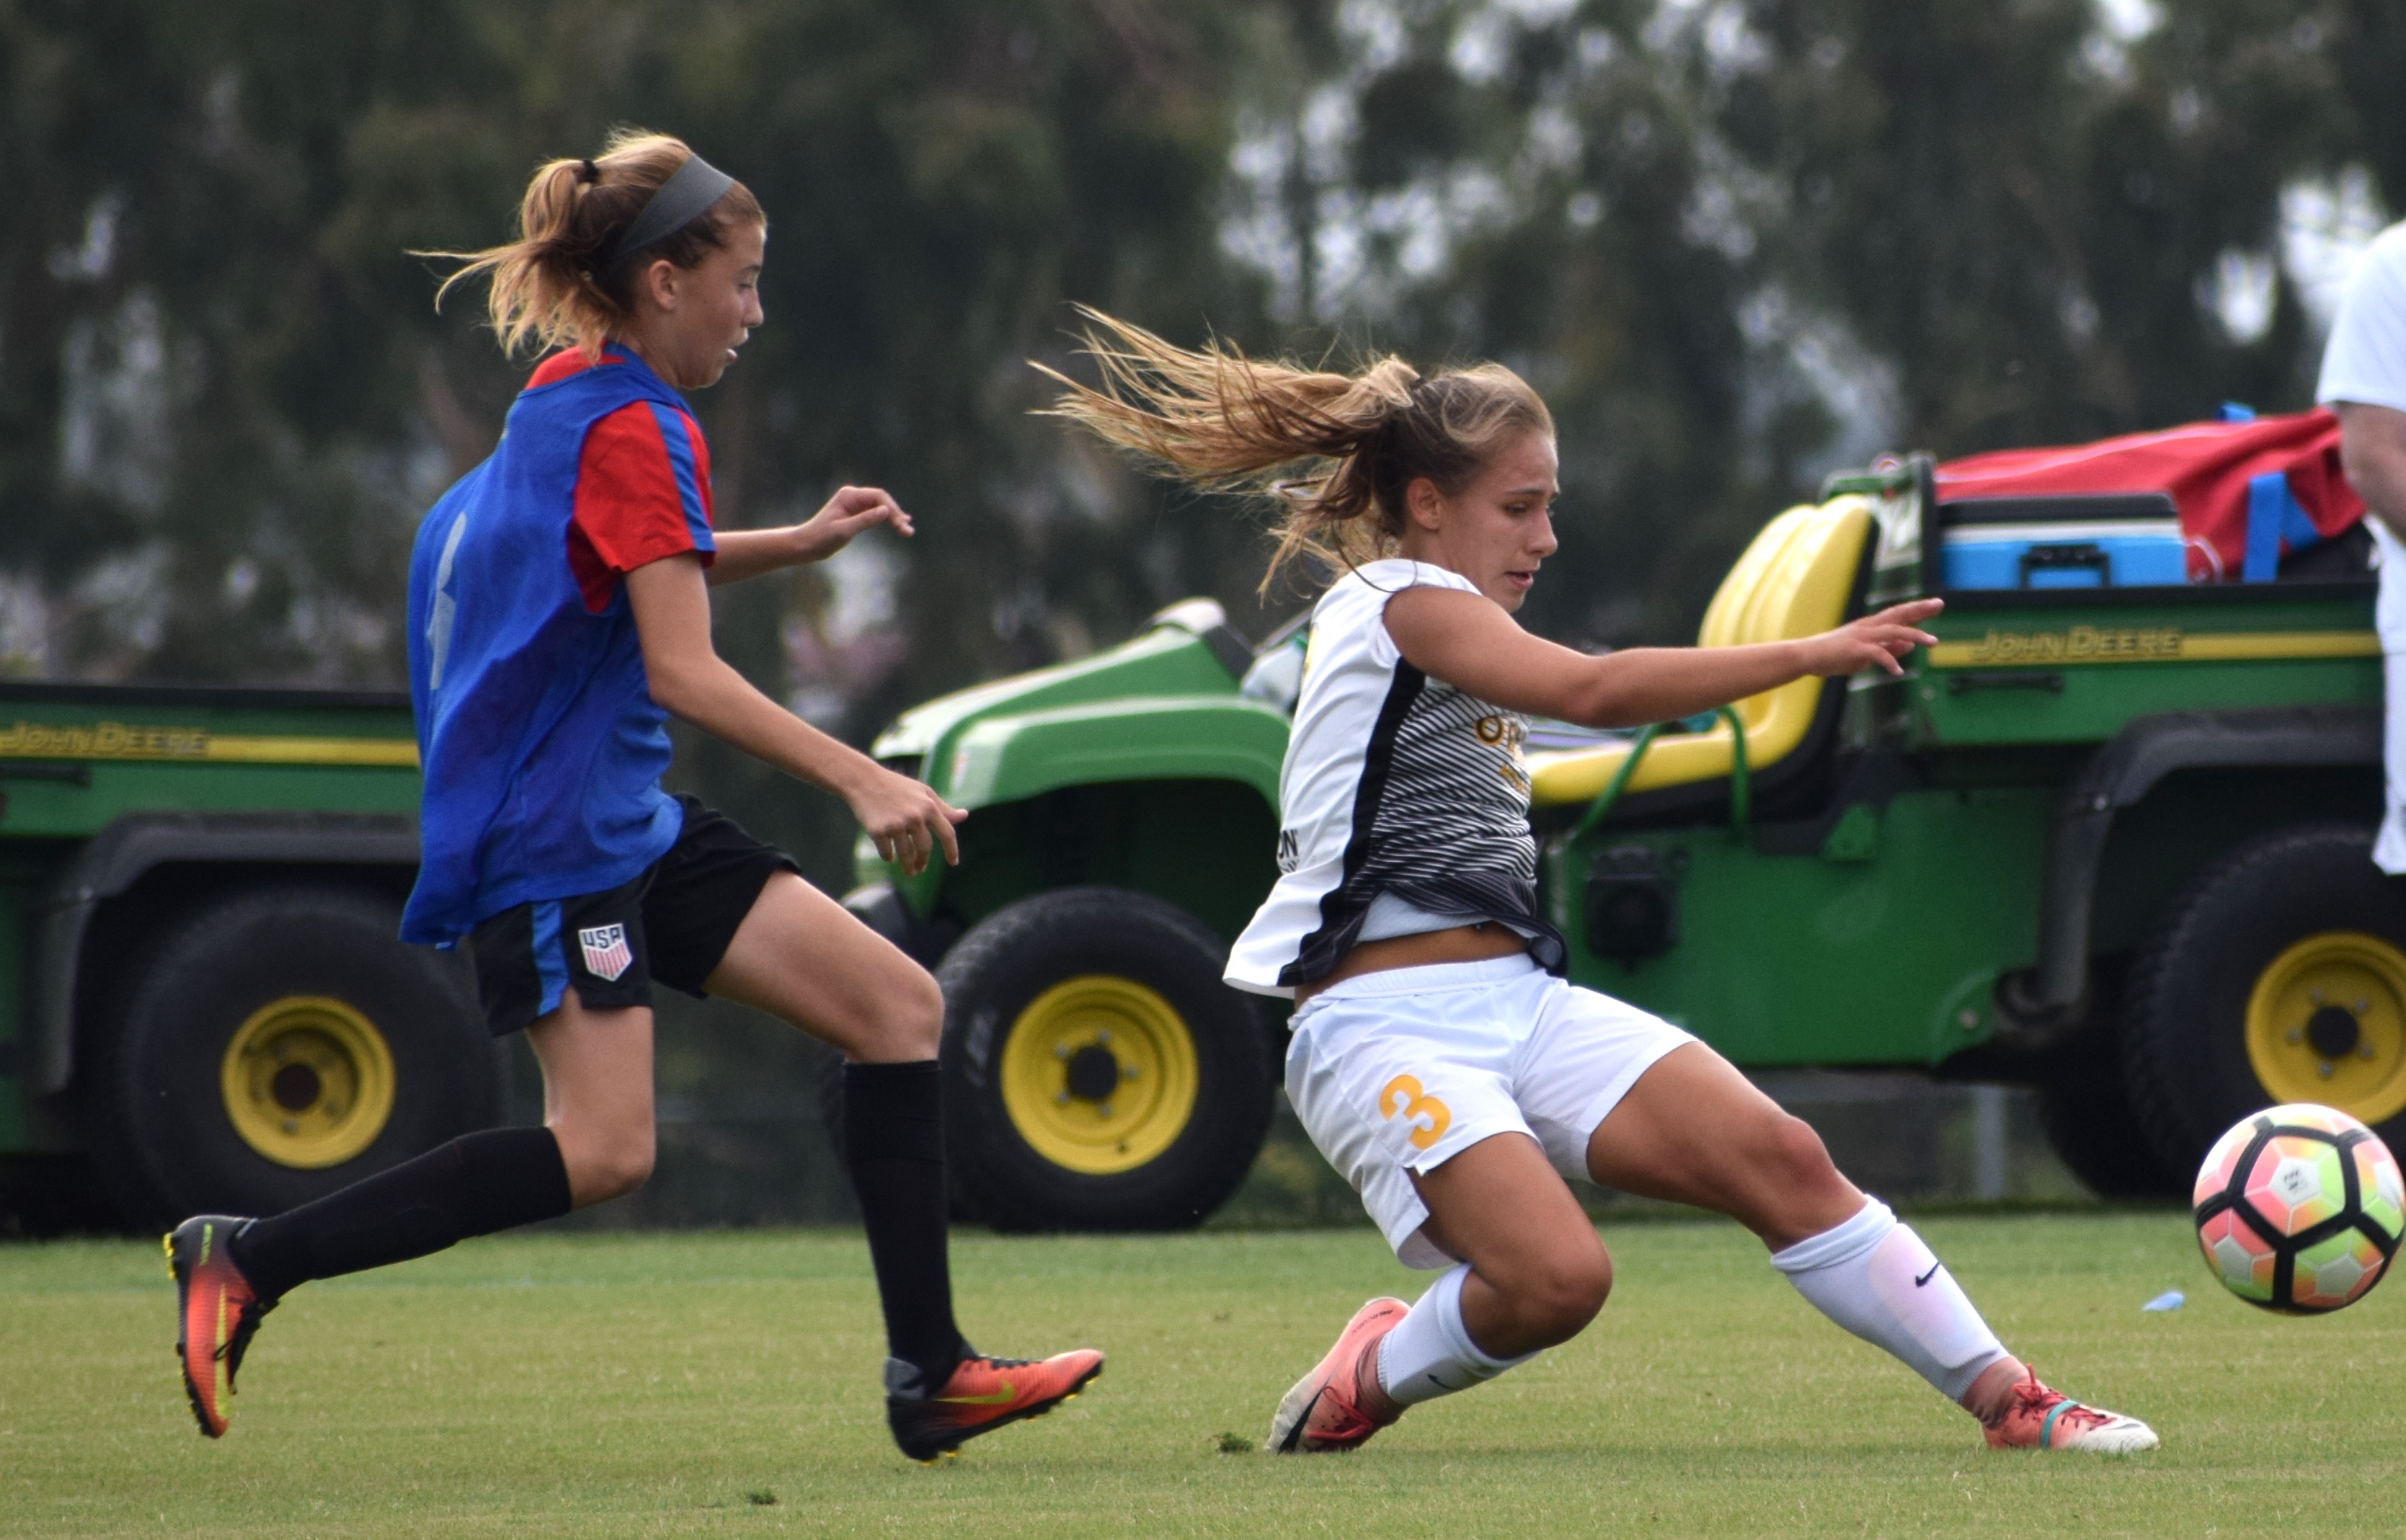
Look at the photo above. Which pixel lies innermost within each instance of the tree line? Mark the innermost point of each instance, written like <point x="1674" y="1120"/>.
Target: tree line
<point x="1736" y="242"/>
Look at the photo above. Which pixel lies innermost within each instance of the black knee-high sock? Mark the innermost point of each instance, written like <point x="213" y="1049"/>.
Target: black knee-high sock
<point x="894" y="1146"/>
<point x="474" y="1185"/>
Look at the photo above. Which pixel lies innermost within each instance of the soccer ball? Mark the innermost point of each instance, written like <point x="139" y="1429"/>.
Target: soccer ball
<point x="2300" y="1210"/>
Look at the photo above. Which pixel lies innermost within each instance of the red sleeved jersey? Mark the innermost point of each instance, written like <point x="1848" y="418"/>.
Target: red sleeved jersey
<point x="643" y="489"/>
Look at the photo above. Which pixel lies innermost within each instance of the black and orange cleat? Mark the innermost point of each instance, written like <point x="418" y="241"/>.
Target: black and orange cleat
<point x="216" y="1313"/>
<point x="982" y="1394"/>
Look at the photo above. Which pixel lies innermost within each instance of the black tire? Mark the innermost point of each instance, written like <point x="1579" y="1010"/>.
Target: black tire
<point x="2086" y="1112"/>
<point x="162" y="1130"/>
<point x="1013" y="956"/>
<point x="2184" y="1055"/>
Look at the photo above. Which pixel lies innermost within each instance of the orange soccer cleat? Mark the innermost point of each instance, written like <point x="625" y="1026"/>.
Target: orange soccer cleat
<point x="217" y="1313"/>
<point x="1323" y="1413"/>
<point x="2040" y="1418"/>
<point x="982" y="1394"/>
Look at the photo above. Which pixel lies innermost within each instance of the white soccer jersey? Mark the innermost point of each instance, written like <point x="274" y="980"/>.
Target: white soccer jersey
<point x="1394" y="782"/>
<point x="2366" y="363"/>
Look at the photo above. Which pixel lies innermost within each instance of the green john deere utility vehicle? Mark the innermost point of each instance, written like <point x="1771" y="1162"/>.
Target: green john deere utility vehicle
<point x="202" y="988"/>
<point x="2109" y="842"/>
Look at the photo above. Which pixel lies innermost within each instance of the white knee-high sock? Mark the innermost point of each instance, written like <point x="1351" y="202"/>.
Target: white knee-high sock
<point x="1873" y="1275"/>
<point x="1430" y="1354"/>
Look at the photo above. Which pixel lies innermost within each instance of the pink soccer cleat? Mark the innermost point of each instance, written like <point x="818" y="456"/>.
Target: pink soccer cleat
<point x="2040" y="1418"/>
<point x="1321" y="1414"/>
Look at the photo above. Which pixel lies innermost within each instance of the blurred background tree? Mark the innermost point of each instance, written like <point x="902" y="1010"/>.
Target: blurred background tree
<point x="225" y="396"/>
<point x="1740" y="243"/>
<point x="1737" y="243"/>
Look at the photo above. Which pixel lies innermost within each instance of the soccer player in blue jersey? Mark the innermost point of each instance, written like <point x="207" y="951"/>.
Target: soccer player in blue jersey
<point x="559" y="616"/>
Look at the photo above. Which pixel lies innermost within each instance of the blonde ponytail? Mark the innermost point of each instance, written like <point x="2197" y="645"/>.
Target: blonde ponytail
<point x="1336" y="451"/>
<point x="559" y="284"/>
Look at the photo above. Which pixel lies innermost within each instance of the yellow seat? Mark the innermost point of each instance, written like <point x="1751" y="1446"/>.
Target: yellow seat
<point x="1792" y="582"/>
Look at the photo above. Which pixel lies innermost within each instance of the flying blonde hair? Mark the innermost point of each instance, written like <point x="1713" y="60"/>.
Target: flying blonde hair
<point x="552" y="287"/>
<point x="1334" y="451"/>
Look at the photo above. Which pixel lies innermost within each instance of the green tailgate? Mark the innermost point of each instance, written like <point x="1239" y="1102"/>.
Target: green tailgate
<point x="72" y="759"/>
<point x="2047" y="669"/>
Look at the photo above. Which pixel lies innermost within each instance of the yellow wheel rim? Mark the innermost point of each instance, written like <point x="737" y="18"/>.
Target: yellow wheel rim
<point x="2327" y="1022"/>
<point x="1098" y="1075"/>
<point x="307" y="1082"/>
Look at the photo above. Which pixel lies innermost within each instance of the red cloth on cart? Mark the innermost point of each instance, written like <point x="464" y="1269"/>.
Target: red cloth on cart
<point x="2205" y="466"/>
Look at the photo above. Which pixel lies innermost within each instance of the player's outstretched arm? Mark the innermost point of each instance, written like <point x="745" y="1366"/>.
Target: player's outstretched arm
<point x="1470" y="643"/>
<point x="748" y="552"/>
<point x="692" y="681"/>
<point x="2372" y="450"/>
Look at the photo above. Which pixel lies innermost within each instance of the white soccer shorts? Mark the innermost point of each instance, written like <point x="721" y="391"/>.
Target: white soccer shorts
<point x="1400" y="1071"/>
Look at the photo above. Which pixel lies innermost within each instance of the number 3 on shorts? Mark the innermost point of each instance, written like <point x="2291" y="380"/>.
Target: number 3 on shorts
<point x="1404" y="1094"/>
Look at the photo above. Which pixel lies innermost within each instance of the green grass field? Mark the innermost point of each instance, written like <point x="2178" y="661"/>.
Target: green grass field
<point x="724" y="1384"/>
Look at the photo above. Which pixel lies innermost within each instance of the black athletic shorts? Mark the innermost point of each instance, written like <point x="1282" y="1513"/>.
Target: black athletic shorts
<point x="671" y="924"/>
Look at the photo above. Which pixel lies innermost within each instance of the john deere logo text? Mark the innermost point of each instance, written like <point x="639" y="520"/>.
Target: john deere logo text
<point x="2081" y="644"/>
<point x="102" y="740"/>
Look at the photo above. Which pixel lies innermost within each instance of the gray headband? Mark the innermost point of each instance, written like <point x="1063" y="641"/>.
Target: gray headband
<point x="682" y="199"/>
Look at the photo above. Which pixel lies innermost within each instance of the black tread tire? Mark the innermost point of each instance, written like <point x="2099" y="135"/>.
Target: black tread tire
<point x="154" y="1117"/>
<point x="2085" y="1111"/>
<point x="1017" y="952"/>
<point x="2184" y="1043"/>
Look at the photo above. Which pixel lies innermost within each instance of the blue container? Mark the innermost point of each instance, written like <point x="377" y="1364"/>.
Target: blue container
<point x="2120" y="554"/>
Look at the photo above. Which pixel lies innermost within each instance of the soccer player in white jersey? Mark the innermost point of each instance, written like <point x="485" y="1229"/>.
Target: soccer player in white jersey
<point x="1439" y="1058"/>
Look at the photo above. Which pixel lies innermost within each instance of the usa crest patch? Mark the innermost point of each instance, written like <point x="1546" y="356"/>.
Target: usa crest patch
<point x="606" y="953"/>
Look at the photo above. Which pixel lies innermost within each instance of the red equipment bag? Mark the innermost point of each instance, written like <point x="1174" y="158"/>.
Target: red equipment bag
<point x="2249" y="489"/>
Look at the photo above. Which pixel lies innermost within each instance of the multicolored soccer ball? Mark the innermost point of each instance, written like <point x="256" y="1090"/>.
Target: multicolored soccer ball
<point x="2300" y="1208"/>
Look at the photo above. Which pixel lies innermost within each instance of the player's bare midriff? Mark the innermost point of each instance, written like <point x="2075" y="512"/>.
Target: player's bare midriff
<point x="1461" y="944"/>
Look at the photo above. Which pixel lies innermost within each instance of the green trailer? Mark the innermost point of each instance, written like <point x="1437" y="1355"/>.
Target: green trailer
<point x="203" y="995"/>
<point x="2112" y="844"/>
